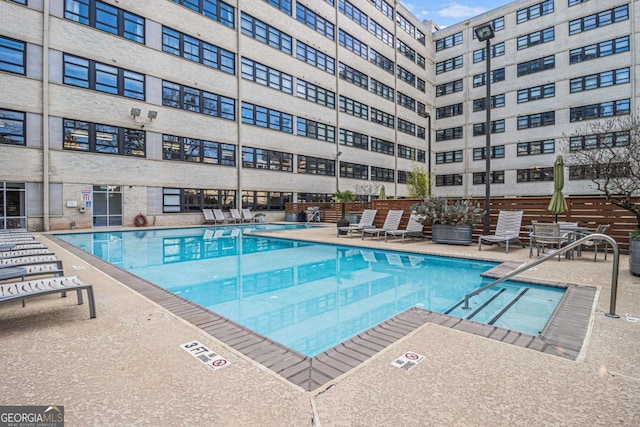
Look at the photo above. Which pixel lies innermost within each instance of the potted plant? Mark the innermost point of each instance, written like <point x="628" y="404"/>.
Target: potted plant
<point x="343" y="197"/>
<point x="451" y="222"/>
<point x="612" y="164"/>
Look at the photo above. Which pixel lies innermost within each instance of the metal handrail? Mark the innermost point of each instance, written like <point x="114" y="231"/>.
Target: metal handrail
<point x="316" y="212"/>
<point x="569" y="247"/>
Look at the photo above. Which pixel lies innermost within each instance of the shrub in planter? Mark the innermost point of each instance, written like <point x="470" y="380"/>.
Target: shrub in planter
<point x="451" y="222"/>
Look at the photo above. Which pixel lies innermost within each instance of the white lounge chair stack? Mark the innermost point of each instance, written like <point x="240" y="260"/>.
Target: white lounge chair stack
<point x="413" y="229"/>
<point x="391" y="223"/>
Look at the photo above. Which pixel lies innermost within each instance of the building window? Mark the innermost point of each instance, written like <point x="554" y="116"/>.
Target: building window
<point x="13" y="127"/>
<point x="535" y="11"/>
<point x="382" y="118"/>
<point x="449" y="134"/>
<point x="547" y="118"/>
<point x="404" y="23"/>
<point x="497" y="101"/>
<point x="104" y="139"/>
<point x="449" y="64"/>
<point x="497" y="24"/>
<point x="315" y="21"/>
<point x="354" y="76"/>
<point x="316" y="166"/>
<point x="282" y="5"/>
<point x="382" y="174"/>
<point x="496" y="76"/>
<point x="354" y="170"/>
<point x="380" y="32"/>
<point x="481" y="54"/>
<point x="353" y="44"/>
<point x="449" y="41"/>
<point x="213" y="9"/>
<point x="266" y="118"/>
<point x="449" y="180"/>
<point x="199" y="151"/>
<point x="265" y="200"/>
<point x="13" y="58"/>
<point x="315" y="130"/>
<point x="604" y="79"/>
<point x="534" y="148"/>
<point x="354" y="108"/>
<point x="267" y="76"/>
<point x="316" y="94"/>
<point x="576" y="2"/>
<point x="535" y="174"/>
<point x="382" y="146"/>
<point x="536" y="38"/>
<point x="353" y="13"/>
<point x="536" y="65"/>
<point x="602" y="140"/>
<point x="106" y="18"/>
<point x="102" y="78"/>
<point x="449" y="157"/>
<point x="383" y="7"/>
<point x="449" y="111"/>
<point x="314" y="57"/>
<point x="598" y="111"/>
<point x="406" y="76"/>
<point x="449" y="88"/>
<point x="497" y="177"/>
<point x="258" y="158"/>
<point x="497" y="152"/>
<point x="497" y="126"/>
<point x="190" y="99"/>
<point x="407" y="127"/>
<point x="407" y="101"/>
<point x="598" y="171"/>
<point x="537" y="92"/>
<point x="266" y="34"/>
<point x="598" y="50"/>
<point x="176" y="200"/>
<point x="193" y="49"/>
<point x="601" y="19"/>
<point x="381" y="61"/>
<point x="354" y="139"/>
<point x="402" y="176"/>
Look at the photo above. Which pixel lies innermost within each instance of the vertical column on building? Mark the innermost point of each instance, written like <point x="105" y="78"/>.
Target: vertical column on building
<point x="239" y="105"/>
<point x="45" y="115"/>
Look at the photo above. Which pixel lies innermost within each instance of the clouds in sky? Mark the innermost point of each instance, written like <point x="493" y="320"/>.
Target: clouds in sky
<point x="446" y="13"/>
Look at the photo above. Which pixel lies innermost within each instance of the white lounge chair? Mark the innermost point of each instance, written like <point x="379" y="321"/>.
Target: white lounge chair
<point x="247" y="216"/>
<point x="507" y="230"/>
<point x="413" y="229"/>
<point x="33" y="288"/>
<point x="209" y="218"/>
<point x="366" y="221"/>
<point x="24" y="252"/>
<point x="391" y="222"/>
<point x="31" y="259"/>
<point x="219" y="216"/>
<point x="235" y="215"/>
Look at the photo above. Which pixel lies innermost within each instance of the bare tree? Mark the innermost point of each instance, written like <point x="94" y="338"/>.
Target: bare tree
<point x="369" y="189"/>
<point x="607" y="152"/>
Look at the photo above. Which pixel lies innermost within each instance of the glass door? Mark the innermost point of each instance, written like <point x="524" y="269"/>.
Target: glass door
<point x="13" y="208"/>
<point x="107" y="206"/>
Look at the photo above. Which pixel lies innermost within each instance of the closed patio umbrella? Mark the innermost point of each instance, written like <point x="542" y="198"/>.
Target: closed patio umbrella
<point x="383" y="194"/>
<point x="558" y="204"/>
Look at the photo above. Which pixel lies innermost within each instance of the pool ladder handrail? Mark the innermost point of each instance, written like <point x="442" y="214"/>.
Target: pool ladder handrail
<point x="313" y="215"/>
<point x="567" y="248"/>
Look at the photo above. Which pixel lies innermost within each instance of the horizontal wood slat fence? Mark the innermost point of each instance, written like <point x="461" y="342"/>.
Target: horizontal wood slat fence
<point x="588" y="211"/>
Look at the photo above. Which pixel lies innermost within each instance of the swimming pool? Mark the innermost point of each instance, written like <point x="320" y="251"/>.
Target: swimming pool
<point x="307" y="296"/>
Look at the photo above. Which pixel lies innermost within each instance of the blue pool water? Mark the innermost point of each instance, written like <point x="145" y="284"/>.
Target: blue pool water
<point x="311" y="297"/>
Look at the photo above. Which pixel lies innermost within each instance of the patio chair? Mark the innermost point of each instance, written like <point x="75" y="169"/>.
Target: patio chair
<point x="235" y="215"/>
<point x="391" y="223"/>
<point x="601" y="229"/>
<point x="24" y="252"/>
<point x="247" y="216"/>
<point x="413" y="229"/>
<point x="507" y="230"/>
<point x="366" y="221"/>
<point x="30" y="259"/>
<point x="547" y="234"/>
<point x="209" y="218"/>
<point x="33" y="288"/>
<point x="219" y="216"/>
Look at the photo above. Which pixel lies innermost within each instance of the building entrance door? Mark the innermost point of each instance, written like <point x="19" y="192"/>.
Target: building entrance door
<point x="107" y="206"/>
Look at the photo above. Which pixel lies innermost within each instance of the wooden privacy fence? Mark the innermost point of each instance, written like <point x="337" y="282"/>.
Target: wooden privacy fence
<point x="588" y="211"/>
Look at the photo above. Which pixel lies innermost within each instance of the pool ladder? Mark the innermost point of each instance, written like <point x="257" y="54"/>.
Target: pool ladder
<point x="313" y="215"/>
<point x="567" y="248"/>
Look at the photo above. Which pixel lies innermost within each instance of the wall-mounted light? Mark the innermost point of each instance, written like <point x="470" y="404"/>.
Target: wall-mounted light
<point x="137" y="112"/>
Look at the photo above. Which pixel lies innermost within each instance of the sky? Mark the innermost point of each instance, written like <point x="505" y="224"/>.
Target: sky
<point x="446" y="13"/>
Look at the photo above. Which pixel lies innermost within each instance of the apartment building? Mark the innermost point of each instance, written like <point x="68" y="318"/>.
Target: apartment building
<point x="113" y="108"/>
<point x="556" y="66"/>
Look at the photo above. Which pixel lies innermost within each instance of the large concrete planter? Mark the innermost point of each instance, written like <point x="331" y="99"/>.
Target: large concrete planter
<point x="461" y="234"/>
<point x="634" y="257"/>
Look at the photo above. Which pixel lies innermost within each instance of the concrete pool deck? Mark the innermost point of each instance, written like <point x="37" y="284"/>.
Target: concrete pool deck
<point x="127" y="367"/>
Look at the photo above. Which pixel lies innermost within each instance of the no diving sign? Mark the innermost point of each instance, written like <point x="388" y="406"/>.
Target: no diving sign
<point x="408" y="360"/>
<point x="210" y="358"/>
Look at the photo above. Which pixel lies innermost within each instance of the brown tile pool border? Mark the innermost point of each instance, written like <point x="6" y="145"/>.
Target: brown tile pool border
<point x="563" y="336"/>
